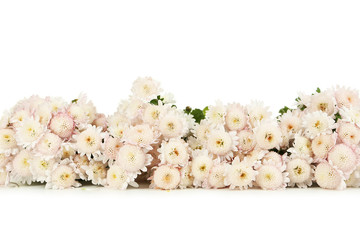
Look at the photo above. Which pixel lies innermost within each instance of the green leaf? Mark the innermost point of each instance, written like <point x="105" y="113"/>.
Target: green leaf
<point x="298" y="99"/>
<point x="154" y="102"/>
<point x="198" y="115"/>
<point x="337" y="117"/>
<point x="284" y="110"/>
<point x="205" y="110"/>
<point x="318" y="90"/>
<point x="74" y="101"/>
<point x="187" y="110"/>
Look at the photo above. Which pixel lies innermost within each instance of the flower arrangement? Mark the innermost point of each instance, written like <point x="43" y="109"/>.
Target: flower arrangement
<point x="149" y="139"/>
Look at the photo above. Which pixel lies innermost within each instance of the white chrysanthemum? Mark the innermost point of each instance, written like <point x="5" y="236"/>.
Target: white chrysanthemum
<point x="81" y="164"/>
<point x="246" y="140"/>
<point x="145" y="88"/>
<point x="118" y="178"/>
<point x="240" y="175"/>
<point x="57" y="103"/>
<point x="111" y="149"/>
<point x="300" y="173"/>
<point x="41" y="168"/>
<point x="344" y="158"/>
<point x="89" y="141"/>
<point x="349" y="133"/>
<point x="323" y="101"/>
<point x="132" y="108"/>
<point x="322" y="144"/>
<point x="301" y="147"/>
<point x="62" y="177"/>
<point x="257" y="112"/>
<point x="216" y="114"/>
<point x="186" y="178"/>
<point x="203" y="130"/>
<point x="273" y="157"/>
<point x="268" y="135"/>
<point x="347" y="97"/>
<point x="43" y="112"/>
<point x="133" y="159"/>
<point x="142" y="135"/>
<point x="4" y="159"/>
<point x="328" y="177"/>
<point x="119" y="130"/>
<point x="201" y="165"/>
<point x="290" y="123"/>
<point x="18" y="117"/>
<point x="8" y="143"/>
<point x="316" y="123"/>
<point x="90" y="111"/>
<point x="153" y="113"/>
<point x="49" y="146"/>
<point x="194" y="143"/>
<point x="354" y="179"/>
<point x="96" y="172"/>
<point x="216" y="177"/>
<point x="271" y="177"/>
<point x="166" y="177"/>
<point x="174" y="152"/>
<point x="253" y="158"/>
<point x="20" y="171"/>
<point x="236" y="118"/>
<point x="67" y="151"/>
<point x="63" y="125"/>
<point x="29" y="133"/>
<point x="4" y="177"/>
<point x="350" y="115"/>
<point x="117" y="119"/>
<point x="5" y="120"/>
<point x="173" y="125"/>
<point x="222" y="143"/>
<point x="78" y="114"/>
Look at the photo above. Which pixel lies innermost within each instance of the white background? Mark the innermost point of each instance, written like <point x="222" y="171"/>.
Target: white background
<point x="200" y="51"/>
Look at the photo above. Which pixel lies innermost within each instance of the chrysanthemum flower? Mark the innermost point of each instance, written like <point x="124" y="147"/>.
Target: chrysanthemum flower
<point x="344" y="158"/>
<point x="323" y="101"/>
<point x="153" y="113"/>
<point x="349" y="133"/>
<point x="29" y="133"/>
<point x="166" y="177"/>
<point x="89" y="141"/>
<point x="41" y="168"/>
<point x="186" y="177"/>
<point x="49" y="146"/>
<point x="290" y="123"/>
<point x="328" y="177"/>
<point x="222" y="143"/>
<point x="174" y="152"/>
<point x="5" y="120"/>
<point x="300" y="172"/>
<point x="100" y="121"/>
<point x="4" y="159"/>
<point x="354" y="179"/>
<point x="145" y="88"/>
<point x="203" y="130"/>
<point x="132" y="109"/>
<point x="316" y="123"/>
<point x="4" y="177"/>
<point x="173" y="125"/>
<point x="240" y="175"/>
<point x="236" y="118"/>
<point x="111" y="149"/>
<point x="351" y="115"/>
<point x="67" y="151"/>
<point x="62" y="177"/>
<point x="96" y="172"/>
<point x="201" y="165"/>
<point x="44" y="113"/>
<point x="216" y="114"/>
<point x="322" y="144"/>
<point x="271" y="177"/>
<point x="8" y="143"/>
<point x="216" y="177"/>
<point x="142" y="135"/>
<point x="301" y="146"/>
<point x="18" y="117"/>
<point x="78" y="114"/>
<point x="133" y="159"/>
<point x="118" y="178"/>
<point x="81" y="164"/>
<point x="246" y="140"/>
<point x="347" y="97"/>
<point x="63" y="125"/>
<point x="273" y="157"/>
<point x="20" y="169"/>
<point x="257" y="112"/>
<point x="268" y="135"/>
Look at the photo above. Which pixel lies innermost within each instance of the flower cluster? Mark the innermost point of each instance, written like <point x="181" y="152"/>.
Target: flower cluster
<point x="150" y="139"/>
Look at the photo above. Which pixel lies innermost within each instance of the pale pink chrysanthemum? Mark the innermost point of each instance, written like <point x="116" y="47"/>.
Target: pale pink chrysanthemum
<point x="173" y="125"/>
<point x="89" y="142"/>
<point x="222" y="143"/>
<point x="329" y="177"/>
<point x="322" y="144"/>
<point x="133" y="159"/>
<point x="240" y="175"/>
<point x="349" y="133"/>
<point x="346" y="97"/>
<point x="354" y="178"/>
<point x="41" y="168"/>
<point x="236" y="118"/>
<point x="81" y="164"/>
<point x="201" y="165"/>
<point x="216" y="177"/>
<point x="323" y="101"/>
<point x="142" y="135"/>
<point x="153" y="113"/>
<point x="146" y="88"/>
<point x="257" y="113"/>
<point x="203" y="130"/>
<point x="8" y="143"/>
<point x="29" y="133"/>
<point x="166" y="177"/>
<point x="111" y="148"/>
<point x="18" y="117"/>
<point x="290" y="123"/>
<point x="63" y="125"/>
<point x="268" y="135"/>
<point x="272" y="176"/>
<point x="216" y="114"/>
<point x="49" y="146"/>
<point x="317" y="123"/>
<point x="301" y="146"/>
<point x="344" y="158"/>
<point x="273" y="157"/>
<point x="62" y="176"/>
<point x="96" y="172"/>
<point x="44" y="113"/>
<point x="100" y="121"/>
<point x="118" y="178"/>
<point x="20" y="168"/>
<point x="300" y="172"/>
<point x="246" y="140"/>
<point x="186" y="178"/>
<point x="174" y="152"/>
